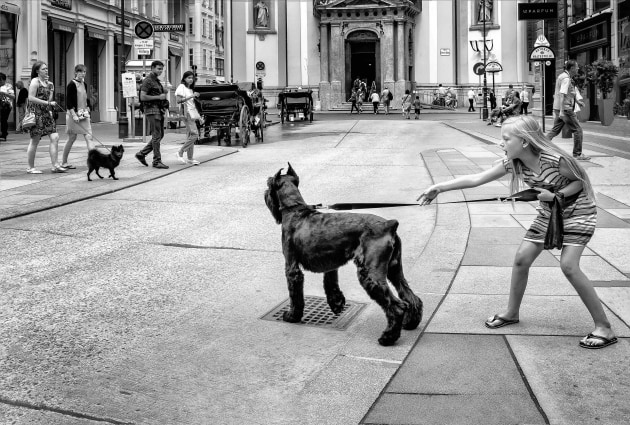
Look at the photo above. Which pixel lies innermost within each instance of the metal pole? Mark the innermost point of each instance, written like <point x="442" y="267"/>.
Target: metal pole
<point x="485" y="80"/>
<point x="542" y="71"/>
<point x="121" y="56"/>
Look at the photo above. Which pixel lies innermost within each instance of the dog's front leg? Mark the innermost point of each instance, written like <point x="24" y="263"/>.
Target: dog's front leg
<point x="112" y="174"/>
<point x="335" y="297"/>
<point x="295" y="281"/>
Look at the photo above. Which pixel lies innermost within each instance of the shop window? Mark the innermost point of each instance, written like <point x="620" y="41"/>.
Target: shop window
<point x="600" y="5"/>
<point x="577" y="10"/>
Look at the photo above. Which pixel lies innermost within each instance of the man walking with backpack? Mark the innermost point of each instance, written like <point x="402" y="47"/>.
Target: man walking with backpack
<point x="386" y="97"/>
<point x="154" y="105"/>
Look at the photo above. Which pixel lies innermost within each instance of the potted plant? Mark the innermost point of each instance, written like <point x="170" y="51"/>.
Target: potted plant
<point x="603" y="73"/>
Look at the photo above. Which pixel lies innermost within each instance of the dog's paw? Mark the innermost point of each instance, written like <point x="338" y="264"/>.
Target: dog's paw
<point x="413" y="315"/>
<point x="292" y="317"/>
<point x="389" y="338"/>
<point x="337" y="303"/>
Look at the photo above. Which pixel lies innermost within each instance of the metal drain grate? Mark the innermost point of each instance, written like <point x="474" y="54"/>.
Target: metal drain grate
<point x="318" y="313"/>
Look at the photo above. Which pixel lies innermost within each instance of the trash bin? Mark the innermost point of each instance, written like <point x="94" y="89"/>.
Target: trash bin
<point x="123" y="129"/>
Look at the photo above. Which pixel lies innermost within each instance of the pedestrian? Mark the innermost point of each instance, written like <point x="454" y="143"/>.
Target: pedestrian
<point x="20" y="104"/>
<point x="7" y="96"/>
<point x="417" y="106"/>
<point x="353" y="99"/>
<point x="532" y="159"/>
<point x="40" y="99"/>
<point x="185" y="96"/>
<point x="155" y="105"/>
<point x="509" y="94"/>
<point x="493" y="100"/>
<point x="78" y="108"/>
<point x="386" y="97"/>
<point x="407" y="100"/>
<point x="564" y="109"/>
<point x="471" y="100"/>
<point x="524" y="100"/>
<point x="360" y="98"/>
<point x="375" y="99"/>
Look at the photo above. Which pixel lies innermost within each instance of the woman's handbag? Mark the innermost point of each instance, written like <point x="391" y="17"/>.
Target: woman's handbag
<point x="28" y="121"/>
<point x="194" y="114"/>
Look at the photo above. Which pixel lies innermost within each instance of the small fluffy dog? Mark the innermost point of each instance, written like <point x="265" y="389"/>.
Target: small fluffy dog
<point x="96" y="160"/>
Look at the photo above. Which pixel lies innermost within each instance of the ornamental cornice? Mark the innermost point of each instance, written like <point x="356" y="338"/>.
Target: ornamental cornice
<point x="383" y="9"/>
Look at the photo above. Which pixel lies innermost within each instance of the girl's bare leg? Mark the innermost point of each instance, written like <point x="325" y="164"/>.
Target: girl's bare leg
<point x="54" y="149"/>
<point x="32" y="150"/>
<point x="67" y="147"/>
<point x="570" y="265"/>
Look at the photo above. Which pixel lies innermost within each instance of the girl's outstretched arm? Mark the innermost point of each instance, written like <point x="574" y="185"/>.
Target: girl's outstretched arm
<point x="463" y="182"/>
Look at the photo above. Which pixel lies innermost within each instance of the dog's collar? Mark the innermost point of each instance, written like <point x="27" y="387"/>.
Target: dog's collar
<point x="294" y="207"/>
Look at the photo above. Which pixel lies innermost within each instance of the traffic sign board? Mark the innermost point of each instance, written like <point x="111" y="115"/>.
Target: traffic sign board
<point x="493" y="67"/>
<point x="144" y="29"/>
<point x="541" y="53"/>
<point x="144" y="51"/>
<point x="478" y="68"/>
<point x="142" y="44"/>
<point x="169" y="27"/>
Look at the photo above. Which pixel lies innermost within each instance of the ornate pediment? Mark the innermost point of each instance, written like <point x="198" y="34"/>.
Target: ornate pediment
<point x="409" y="7"/>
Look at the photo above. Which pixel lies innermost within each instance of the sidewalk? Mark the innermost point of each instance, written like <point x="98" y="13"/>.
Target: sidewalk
<point x="534" y="372"/>
<point x="22" y="193"/>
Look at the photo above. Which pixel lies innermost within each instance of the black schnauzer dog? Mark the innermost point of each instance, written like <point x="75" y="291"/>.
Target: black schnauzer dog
<point x="323" y="242"/>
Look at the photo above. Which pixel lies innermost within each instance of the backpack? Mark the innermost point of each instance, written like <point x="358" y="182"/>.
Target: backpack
<point x="390" y="96"/>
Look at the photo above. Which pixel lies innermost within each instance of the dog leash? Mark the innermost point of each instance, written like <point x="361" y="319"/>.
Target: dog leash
<point x="527" y="195"/>
<point x="84" y="129"/>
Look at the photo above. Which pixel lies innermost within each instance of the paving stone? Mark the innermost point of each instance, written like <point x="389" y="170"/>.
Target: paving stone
<point x="501" y="255"/>
<point x="608" y="220"/>
<point x="614" y="246"/>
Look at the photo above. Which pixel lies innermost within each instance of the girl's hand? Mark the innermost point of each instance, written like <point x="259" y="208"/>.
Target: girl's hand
<point x="428" y="195"/>
<point x="545" y="195"/>
<point x="196" y="94"/>
<point x="52" y="103"/>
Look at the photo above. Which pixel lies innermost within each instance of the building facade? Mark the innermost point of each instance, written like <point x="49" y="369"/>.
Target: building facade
<point x="65" y="33"/>
<point x="205" y="33"/>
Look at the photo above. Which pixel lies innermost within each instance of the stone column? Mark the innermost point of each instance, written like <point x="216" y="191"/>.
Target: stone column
<point x="387" y="56"/>
<point x="324" y="84"/>
<point x="337" y="60"/>
<point x="401" y="64"/>
<point x="106" y="100"/>
<point x="37" y="38"/>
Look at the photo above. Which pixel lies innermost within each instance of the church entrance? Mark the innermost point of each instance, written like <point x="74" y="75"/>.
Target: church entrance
<point x="362" y="60"/>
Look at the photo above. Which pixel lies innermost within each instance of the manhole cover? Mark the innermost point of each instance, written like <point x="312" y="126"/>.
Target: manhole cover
<point x="317" y="313"/>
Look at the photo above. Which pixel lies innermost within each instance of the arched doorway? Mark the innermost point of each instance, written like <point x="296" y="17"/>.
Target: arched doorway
<point x="363" y="58"/>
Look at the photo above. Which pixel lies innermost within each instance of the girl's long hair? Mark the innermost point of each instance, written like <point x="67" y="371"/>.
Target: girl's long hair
<point x="528" y="129"/>
<point x="35" y="69"/>
<point x="186" y="75"/>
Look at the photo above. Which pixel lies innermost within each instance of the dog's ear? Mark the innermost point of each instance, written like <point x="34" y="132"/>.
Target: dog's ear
<point x="277" y="175"/>
<point x="291" y="172"/>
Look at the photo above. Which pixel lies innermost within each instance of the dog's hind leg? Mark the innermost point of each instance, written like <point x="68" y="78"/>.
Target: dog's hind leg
<point x="413" y="315"/>
<point x="295" y="281"/>
<point x="96" y="171"/>
<point x="335" y="297"/>
<point x="90" y="172"/>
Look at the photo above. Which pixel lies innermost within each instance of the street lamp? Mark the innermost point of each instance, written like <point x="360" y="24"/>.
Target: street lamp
<point x="484" y="114"/>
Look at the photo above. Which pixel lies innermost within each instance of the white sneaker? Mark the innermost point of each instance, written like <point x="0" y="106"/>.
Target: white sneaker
<point x="181" y="158"/>
<point x="33" y="171"/>
<point x="193" y="162"/>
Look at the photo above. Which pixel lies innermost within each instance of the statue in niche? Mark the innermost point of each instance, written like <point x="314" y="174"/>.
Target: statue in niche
<point x="485" y="11"/>
<point x="262" y="15"/>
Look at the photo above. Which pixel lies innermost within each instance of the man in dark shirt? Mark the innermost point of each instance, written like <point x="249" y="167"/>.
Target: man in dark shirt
<point x="152" y="97"/>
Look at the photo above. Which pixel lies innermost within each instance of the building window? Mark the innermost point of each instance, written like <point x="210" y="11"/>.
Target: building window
<point x="204" y="23"/>
<point x="209" y="58"/>
<point x="190" y="26"/>
<point x="204" y="54"/>
<point x="210" y="26"/>
<point x="191" y="56"/>
<point x="219" y="67"/>
<point x="600" y="5"/>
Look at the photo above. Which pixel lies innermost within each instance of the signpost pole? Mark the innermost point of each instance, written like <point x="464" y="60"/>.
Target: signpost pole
<point x="544" y="105"/>
<point x="121" y="57"/>
<point x="485" y="80"/>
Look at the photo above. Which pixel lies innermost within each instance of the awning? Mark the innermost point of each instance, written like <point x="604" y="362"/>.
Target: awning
<point x="175" y="51"/>
<point x="65" y="26"/>
<point x="98" y="34"/>
<point x="9" y="8"/>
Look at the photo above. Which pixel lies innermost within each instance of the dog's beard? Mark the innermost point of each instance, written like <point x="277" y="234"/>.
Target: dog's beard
<point x="271" y="199"/>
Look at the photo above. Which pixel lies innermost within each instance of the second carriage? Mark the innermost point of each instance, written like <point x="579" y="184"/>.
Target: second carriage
<point x="227" y="108"/>
<point x="296" y="104"/>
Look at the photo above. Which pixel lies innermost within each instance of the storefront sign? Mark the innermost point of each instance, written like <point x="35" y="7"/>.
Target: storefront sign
<point x="541" y="53"/>
<point x="537" y="11"/>
<point x="56" y="25"/>
<point x="129" y="84"/>
<point x="98" y="35"/>
<point x="445" y="52"/>
<point x="596" y="34"/>
<point x="493" y="67"/>
<point x="169" y="27"/>
<point x="9" y="8"/>
<point x="63" y="4"/>
<point x="127" y="21"/>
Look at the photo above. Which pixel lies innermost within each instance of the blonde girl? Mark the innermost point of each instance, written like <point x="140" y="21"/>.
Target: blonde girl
<point x="533" y="160"/>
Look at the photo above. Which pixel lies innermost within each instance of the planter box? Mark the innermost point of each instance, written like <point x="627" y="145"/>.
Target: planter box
<point x="605" y="108"/>
<point x="585" y="112"/>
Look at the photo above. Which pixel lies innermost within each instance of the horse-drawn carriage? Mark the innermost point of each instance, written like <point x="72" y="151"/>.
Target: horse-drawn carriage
<point x="227" y="107"/>
<point x="296" y="104"/>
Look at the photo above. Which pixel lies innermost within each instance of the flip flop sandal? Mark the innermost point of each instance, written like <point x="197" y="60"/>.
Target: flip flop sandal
<point x="606" y="341"/>
<point x="501" y="320"/>
<point x="69" y="167"/>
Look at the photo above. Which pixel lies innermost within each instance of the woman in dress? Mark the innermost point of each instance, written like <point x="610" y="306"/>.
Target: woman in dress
<point x="40" y="95"/>
<point x="77" y="114"/>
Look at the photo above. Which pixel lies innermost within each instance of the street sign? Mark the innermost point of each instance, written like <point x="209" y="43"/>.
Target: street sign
<point x="145" y="52"/>
<point x="169" y="27"/>
<point x="142" y="44"/>
<point x="144" y="29"/>
<point x="478" y="68"/>
<point x="493" y="67"/>
<point x="537" y="11"/>
<point x="541" y="53"/>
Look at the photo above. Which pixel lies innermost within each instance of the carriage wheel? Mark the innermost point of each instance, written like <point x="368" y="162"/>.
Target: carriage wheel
<point x="244" y="126"/>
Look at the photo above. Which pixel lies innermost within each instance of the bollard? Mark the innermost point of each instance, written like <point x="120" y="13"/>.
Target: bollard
<point x="123" y="130"/>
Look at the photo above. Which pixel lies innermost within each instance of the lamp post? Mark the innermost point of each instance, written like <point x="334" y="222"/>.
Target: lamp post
<point x="485" y="80"/>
